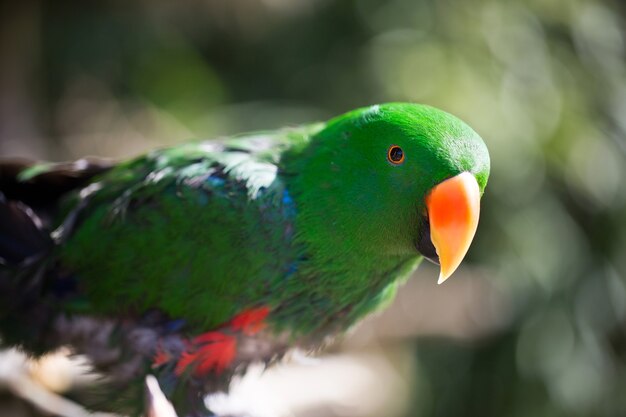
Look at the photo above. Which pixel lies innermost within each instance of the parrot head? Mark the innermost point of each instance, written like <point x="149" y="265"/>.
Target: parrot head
<point x="396" y="179"/>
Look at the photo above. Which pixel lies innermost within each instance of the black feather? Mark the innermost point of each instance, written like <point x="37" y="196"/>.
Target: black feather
<point x="21" y="234"/>
<point x="51" y="181"/>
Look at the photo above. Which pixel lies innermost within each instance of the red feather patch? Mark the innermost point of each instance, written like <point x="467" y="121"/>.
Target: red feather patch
<point x="215" y="352"/>
<point x="250" y="321"/>
<point x="160" y="357"/>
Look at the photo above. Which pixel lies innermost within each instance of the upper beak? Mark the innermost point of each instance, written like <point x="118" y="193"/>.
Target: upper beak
<point x="453" y="210"/>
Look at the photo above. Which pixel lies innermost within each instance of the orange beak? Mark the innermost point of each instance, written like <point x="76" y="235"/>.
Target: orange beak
<point x="453" y="210"/>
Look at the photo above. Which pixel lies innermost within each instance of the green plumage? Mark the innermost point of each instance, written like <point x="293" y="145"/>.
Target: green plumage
<point x="314" y="223"/>
<point x="166" y="231"/>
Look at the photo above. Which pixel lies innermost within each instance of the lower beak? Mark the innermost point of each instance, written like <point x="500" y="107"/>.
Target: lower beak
<point x="453" y="210"/>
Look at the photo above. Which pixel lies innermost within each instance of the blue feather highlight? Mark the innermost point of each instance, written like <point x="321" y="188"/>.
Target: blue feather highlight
<point x="289" y="206"/>
<point x="215" y="181"/>
<point x="287" y="200"/>
<point x="174" y="325"/>
<point x="292" y="269"/>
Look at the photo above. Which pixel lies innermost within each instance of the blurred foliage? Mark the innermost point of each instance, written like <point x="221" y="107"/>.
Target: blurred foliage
<point x="543" y="82"/>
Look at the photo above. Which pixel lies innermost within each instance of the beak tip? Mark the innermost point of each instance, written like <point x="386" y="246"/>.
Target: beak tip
<point x="453" y="210"/>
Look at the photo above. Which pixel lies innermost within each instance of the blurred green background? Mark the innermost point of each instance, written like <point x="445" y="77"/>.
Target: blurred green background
<point x="542" y="81"/>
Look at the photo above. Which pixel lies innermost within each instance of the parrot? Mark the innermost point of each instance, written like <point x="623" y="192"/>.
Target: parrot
<point x="191" y="262"/>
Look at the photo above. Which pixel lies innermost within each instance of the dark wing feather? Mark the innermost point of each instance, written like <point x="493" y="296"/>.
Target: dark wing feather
<point x="21" y="234"/>
<point x="41" y="184"/>
<point x="28" y="193"/>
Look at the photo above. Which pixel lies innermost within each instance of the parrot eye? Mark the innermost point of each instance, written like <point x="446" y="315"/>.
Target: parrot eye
<point x="395" y="155"/>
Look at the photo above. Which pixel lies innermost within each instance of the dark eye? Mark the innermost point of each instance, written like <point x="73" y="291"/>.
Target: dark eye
<point x="395" y="155"/>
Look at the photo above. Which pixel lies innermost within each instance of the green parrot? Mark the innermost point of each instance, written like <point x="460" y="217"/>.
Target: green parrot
<point x="191" y="262"/>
